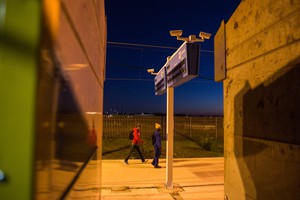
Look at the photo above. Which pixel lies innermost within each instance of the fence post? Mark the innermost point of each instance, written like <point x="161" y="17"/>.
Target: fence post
<point x="216" y="128"/>
<point x="190" y="127"/>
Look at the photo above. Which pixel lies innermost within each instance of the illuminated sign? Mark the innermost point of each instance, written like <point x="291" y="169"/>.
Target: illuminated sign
<point x="183" y="65"/>
<point x="160" y="82"/>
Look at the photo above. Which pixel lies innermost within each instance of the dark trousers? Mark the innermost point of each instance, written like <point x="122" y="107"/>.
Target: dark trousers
<point x="156" y="155"/>
<point x="137" y="148"/>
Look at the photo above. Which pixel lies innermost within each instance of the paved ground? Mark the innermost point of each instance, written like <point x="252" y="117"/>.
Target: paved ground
<point x="194" y="178"/>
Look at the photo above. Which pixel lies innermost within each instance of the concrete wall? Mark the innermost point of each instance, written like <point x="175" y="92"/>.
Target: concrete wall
<point x="261" y="101"/>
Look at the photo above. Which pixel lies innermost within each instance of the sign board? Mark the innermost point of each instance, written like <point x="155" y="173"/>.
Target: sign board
<point x="220" y="54"/>
<point x="183" y="64"/>
<point x="160" y="83"/>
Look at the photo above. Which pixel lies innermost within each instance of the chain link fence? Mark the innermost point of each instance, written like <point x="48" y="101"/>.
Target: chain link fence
<point x="190" y="127"/>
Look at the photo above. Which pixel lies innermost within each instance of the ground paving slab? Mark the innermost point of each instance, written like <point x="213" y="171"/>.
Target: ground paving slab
<point x="193" y="178"/>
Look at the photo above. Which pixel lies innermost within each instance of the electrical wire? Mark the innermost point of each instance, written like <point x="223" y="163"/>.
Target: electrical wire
<point x="126" y="67"/>
<point x="150" y="46"/>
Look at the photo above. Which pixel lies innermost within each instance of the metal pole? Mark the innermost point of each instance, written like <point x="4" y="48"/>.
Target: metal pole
<point x="170" y="137"/>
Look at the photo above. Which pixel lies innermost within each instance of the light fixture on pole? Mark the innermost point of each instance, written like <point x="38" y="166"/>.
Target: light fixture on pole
<point x="151" y="71"/>
<point x="181" y="67"/>
<point x="191" y="38"/>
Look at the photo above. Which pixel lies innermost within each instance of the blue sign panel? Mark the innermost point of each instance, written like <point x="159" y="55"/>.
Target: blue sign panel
<point x="183" y="65"/>
<point x="160" y="81"/>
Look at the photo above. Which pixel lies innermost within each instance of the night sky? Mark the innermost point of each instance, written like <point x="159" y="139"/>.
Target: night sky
<point x="144" y="26"/>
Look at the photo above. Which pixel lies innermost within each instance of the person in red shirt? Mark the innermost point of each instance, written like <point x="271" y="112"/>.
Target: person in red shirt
<point x="135" y="144"/>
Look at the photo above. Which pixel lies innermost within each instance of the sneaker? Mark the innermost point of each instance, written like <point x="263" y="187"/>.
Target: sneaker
<point x="157" y="166"/>
<point x="145" y="161"/>
<point x="126" y="162"/>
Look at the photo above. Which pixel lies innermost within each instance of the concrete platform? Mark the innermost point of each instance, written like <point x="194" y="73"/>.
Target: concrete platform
<point x="193" y="178"/>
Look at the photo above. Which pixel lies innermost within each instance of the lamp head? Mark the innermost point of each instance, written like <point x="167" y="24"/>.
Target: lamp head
<point x="176" y="33"/>
<point x="150" y="70"/>
<point x="204" y="35"/>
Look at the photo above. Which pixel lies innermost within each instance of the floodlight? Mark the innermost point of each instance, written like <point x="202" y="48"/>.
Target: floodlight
<point x="150" y="70"/>
<point x="204" y="35"/>
<point x="176" y="33"/>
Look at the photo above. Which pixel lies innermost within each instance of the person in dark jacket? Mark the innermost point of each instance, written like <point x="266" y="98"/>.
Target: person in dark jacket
<point x="157" y="146"/>
<point x="135" y="144"/>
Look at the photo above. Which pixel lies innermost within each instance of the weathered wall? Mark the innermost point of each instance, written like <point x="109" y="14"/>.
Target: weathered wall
<point x="261" y="101"/>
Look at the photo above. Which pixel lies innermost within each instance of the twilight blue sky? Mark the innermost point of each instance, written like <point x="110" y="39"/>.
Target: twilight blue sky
<point x="128" y="86"/>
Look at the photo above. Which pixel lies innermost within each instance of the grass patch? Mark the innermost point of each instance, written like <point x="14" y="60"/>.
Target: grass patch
<point x="118" y="148"/>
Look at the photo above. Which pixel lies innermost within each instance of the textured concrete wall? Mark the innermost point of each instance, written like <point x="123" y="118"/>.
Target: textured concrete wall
<point x="261" y="101"/>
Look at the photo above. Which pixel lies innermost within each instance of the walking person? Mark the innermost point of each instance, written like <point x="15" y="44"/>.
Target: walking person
<point x="156" y="141"/>
<point x="136" y="141"/>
